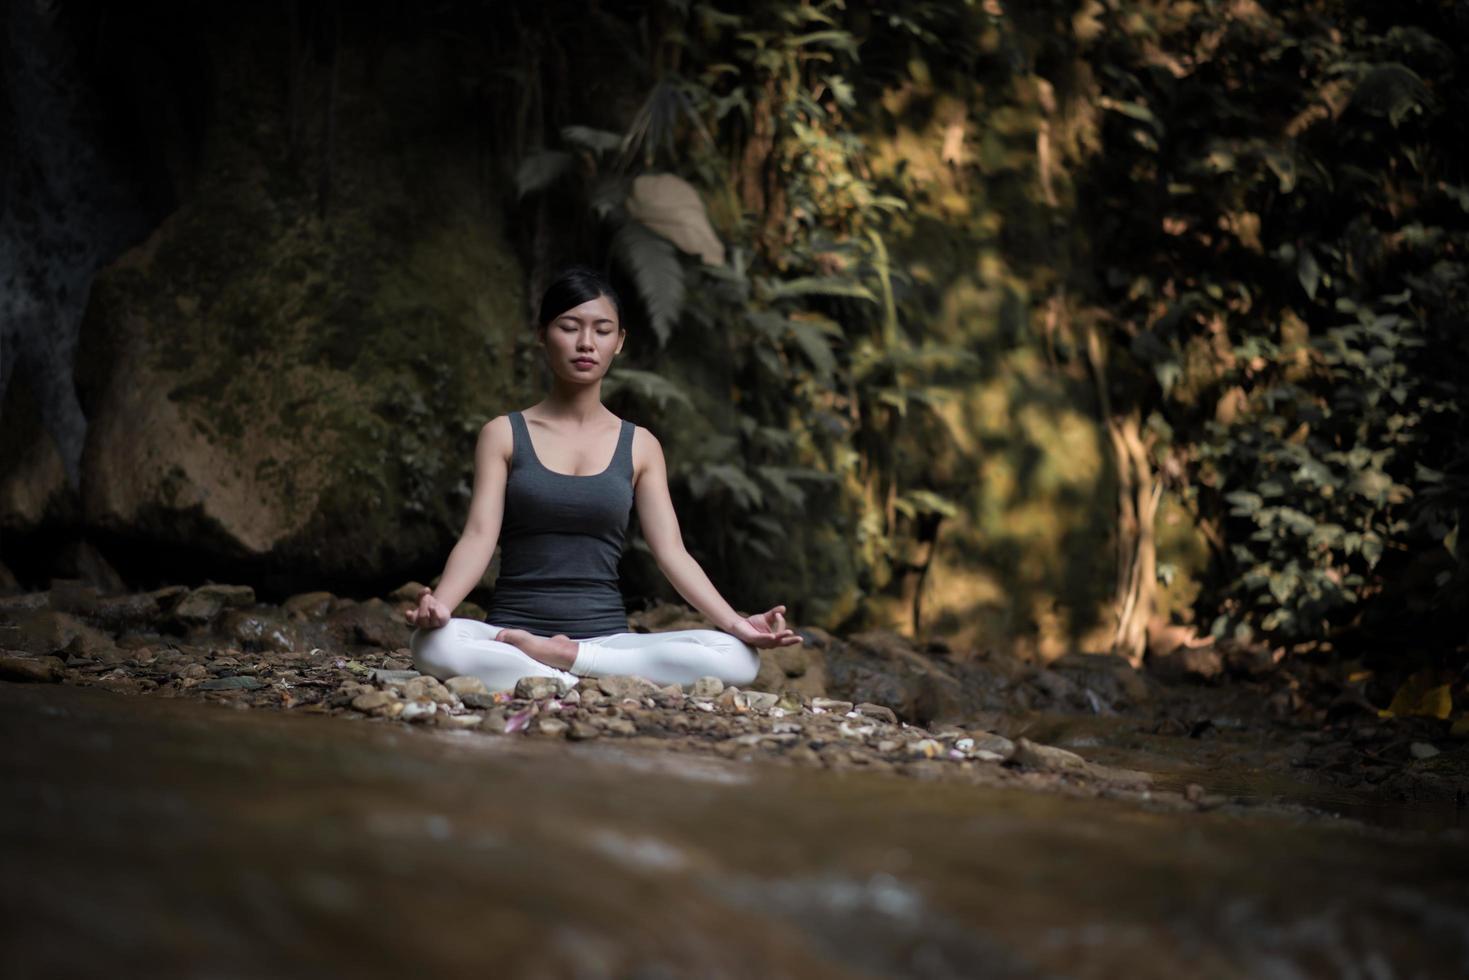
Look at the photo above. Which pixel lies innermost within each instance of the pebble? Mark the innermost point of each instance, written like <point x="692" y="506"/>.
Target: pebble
<point x="830" y="704"/>
<point x="458" y="722"/>
<point x="706" y="687"/>
<point x="418" y="710"/>
<point x="552" y="726"/>
<point x="539" y="688"/>
<point x="236" y="683"/>
<point x="463" y="685"/>
<point x="372" y="700"/>
<point x="761" y="701"/>
<point x="1033" y="755"/>
<point x="879" y="711"/>
<point x="393" y="678"/>
<point x="581" y="731"/>
<point x="625" y="687"/>
<point x="925" y="748"/>
<point x="618" y="726"/>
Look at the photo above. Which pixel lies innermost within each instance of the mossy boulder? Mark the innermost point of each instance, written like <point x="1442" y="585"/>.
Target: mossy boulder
<point x="293" y="383"/>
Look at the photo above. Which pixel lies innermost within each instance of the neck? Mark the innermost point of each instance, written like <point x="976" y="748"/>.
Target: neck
<point x="573" y="402"/>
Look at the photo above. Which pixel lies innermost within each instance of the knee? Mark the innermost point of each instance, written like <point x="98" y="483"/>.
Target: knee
<point x="427" y="648"/>
<point x="740" y="660"/>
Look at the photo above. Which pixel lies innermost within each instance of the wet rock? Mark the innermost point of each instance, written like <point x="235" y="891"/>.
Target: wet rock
<point x="204" y="604"/>
<point x="732" y="700"/>
<point x="625" y="687"/>
<point x="259" y="631"/>
<point x="706" y="687"/>
<point x="465" y="684"/>
<point x="237" y="682"/>
<point x="554" y="727"/>
<point x="616" y="726"/>
<point x="996" y="744"/>
<point x="309" y="605"/>
<point x="418" y="710"/>
<point x="830" y="705"/>
<point x="393" y="678"/>
<point x="925" y="748"/>
<point x="373" y="623"/>
<point x="458" y="722"/>
<point x="372" y="700"/>
<point x="45" y="669"/>
<point x="479" y="702"/>
<point x="581" y="731"/>
<point x="47" y="631"/>
<point x="879" y="711"/>
<point x="539" y="688"/>
<point x="1048" y="758"/>
<point x="406" y="594"/>
<point x="125" y="611"/>
<point x="761" y="701"/>
<point x="425" y="687"/>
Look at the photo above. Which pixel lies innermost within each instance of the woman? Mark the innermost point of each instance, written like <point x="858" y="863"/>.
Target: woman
<point x="543" y="476"/>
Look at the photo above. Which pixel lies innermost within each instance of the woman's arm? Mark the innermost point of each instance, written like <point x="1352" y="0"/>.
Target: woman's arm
<point x="660" y="529"/>
<point x="471" y="555"/>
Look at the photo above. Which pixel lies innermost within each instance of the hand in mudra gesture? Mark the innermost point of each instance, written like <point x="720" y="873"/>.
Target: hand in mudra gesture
<point x="767" y="629"/>
<point x="430" y="613"/>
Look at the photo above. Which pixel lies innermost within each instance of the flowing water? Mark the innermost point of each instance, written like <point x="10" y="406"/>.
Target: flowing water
<point x="143" y="835"/>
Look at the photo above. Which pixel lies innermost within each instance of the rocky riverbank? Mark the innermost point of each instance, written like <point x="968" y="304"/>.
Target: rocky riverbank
<point x="870" y="701"/>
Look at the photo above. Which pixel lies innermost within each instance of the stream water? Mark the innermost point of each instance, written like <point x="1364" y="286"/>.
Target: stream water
<point x="172" y="837"/>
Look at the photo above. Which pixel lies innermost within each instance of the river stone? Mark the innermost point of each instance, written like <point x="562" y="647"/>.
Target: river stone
<point x="706" y="687"/>
<point x="581" y="731"/>
<point x="1033" y="755"/>
<point x="457" y="722"/>
<point x="204" y="604"/>
<point x="761" y="701"/>
<point x="39" y="669"/>
<point x="393" y="678"/>
<point x="992" y="743"/>
<point x="879" y="711"/>
<point x="372" y="700"/>
<point x="539" y="688"/>
<point x="465" y="684"/>
<point x="236" y="683"/>
<point x="621" y="686"/>
<point x="309" y="605"/>
<point x="616" y="726"/>
<point x="552" y="726"/>
<point x="426" y="686"/>
<point x="1423" y="750"/>
<point x="418" y="710"/>
<point x="831" y="705"/>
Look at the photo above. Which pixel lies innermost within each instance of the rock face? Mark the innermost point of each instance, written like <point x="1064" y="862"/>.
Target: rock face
<point x="270" y="389"/>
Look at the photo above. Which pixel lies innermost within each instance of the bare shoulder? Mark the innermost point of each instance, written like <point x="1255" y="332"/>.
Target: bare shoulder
<point x="647" y="451"/>
<point x="496" y="437"/>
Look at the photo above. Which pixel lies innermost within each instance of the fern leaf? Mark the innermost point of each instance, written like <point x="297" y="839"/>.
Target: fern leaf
<point x="653" y="263"/>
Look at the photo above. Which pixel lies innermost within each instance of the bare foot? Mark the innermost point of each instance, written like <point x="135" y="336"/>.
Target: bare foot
<point x="555" y="651"/>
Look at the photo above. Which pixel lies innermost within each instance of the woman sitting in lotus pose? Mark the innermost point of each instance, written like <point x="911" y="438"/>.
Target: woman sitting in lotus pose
<point x="544" y="489"/>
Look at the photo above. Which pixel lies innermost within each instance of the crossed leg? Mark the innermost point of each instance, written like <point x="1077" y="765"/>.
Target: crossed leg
<point x="500" y="656"/>
<point x="468" y="647"/>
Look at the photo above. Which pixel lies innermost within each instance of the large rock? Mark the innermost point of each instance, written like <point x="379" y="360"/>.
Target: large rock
<point x="298" y="396"/>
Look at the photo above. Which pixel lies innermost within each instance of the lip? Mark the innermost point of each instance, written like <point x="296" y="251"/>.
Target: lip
<point x="584" y="362"/>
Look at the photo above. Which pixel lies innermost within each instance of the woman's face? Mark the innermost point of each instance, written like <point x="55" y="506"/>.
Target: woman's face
<point x="580" y="342"/>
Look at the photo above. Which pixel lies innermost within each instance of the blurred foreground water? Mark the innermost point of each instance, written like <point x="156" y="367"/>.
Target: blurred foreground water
<point x="175" y="838"/>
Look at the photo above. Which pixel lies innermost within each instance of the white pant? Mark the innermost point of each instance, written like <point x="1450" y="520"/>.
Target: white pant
<point x="468" y="647"/>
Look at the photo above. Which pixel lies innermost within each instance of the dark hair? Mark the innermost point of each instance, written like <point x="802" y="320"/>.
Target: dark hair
<point x="573" y="287"/>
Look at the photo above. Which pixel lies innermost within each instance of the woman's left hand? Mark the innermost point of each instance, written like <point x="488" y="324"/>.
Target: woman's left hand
<point x="767" y="629"/>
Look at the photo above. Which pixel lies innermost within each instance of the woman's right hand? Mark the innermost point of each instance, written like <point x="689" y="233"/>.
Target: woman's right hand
<point x="430" y="613"/>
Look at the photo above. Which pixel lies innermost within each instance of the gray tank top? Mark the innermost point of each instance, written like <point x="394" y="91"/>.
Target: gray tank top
<point x="561" y="539"/>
